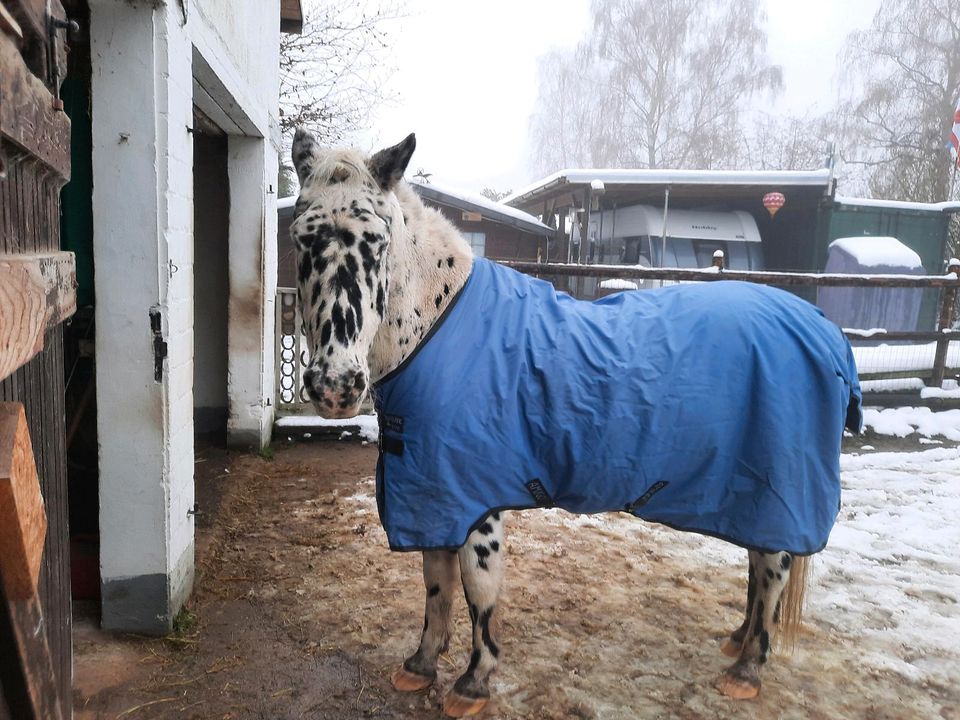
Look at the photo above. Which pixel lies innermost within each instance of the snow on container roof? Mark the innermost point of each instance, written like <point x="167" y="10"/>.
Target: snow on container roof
<point x="608" y="176"/>
<point x="899" y="205"/>
<point x="464" y="199"/>
<point x="876" y="251"/>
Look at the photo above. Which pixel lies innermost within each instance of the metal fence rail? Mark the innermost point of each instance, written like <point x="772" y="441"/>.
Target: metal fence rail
<point x="916" y="354"/>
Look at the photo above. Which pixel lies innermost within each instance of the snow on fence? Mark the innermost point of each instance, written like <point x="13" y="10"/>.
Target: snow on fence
<point x="926" y="355"/>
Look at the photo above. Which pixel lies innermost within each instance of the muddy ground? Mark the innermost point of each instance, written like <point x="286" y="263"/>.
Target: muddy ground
<point x="299" y="611"/>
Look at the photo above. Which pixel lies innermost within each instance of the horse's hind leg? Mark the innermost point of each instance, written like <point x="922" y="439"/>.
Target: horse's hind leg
<point x="441" y="571"/>
<point x="771" y="573"/>
<point x="734" y="643"/>
<point x="481" y="568"/>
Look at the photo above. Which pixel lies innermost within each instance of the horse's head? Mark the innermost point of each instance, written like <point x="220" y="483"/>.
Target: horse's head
<point x="346" y="216"/>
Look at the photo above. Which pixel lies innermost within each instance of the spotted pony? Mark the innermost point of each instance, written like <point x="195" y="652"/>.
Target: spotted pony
<point x="377" y="271"/>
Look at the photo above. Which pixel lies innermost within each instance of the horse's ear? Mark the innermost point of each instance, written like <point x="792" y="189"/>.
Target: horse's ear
<point x="302" y="153"/>
<point x="389" y="165"/>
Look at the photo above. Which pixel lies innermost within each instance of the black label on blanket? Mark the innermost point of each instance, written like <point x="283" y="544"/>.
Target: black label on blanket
<point x="645" y="498"/>
<point x="394" y="423"/>
<point x="539" y="494"/>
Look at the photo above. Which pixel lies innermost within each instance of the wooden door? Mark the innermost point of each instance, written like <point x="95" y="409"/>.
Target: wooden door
<point x="37" y="292"/>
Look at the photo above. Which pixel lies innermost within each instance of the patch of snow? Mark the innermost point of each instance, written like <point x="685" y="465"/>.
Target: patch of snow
<point x="870" y="332"/>
<point x="930" y="392"/>
<point x="287" y="202"/>
<point x="905" y="421"/>
<point x="892" y="385"/>
<point x="618" y="284"/>
<point x="898" y="204"/>
<point x="369" y="429"/>
<point x="878" y="251"/>
<point x="890" y="569"/>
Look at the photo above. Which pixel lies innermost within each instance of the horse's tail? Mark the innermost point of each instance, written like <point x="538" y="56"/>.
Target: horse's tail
<point x="791" y="603"/>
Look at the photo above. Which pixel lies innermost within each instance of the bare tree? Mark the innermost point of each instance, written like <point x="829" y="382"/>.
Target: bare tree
<point x="332" y="75"/>
<point x="906" y="70"/>
<point x="493" y="194"/>
<point x="783" y="142"/>
<point x="655" y="85"/>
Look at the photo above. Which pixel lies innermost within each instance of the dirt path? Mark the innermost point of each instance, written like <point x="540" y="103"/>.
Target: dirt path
<point x="300" y="612"/>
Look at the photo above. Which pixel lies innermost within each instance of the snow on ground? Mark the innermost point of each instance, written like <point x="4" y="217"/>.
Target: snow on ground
<point x="367" y="423"/>
<point x="905" y="421"/>
<point x="891" y="569"/>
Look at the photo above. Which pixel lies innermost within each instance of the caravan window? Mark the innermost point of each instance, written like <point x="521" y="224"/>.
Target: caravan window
<point x="633" y="249"/>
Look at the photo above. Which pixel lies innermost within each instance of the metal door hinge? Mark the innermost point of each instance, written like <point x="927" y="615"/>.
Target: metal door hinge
<point x="159" y="344"/>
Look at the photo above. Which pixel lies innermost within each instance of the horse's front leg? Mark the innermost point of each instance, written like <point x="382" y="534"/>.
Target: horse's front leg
<point x="441" y="570"/>
<point x="481" y="568"/>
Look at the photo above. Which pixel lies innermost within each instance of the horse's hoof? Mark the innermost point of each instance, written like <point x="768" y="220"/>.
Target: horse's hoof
<point x="456" y="705"/>
<point x="406" y="681"/>
<point x="731" y="648"/>
<point x="738" y="688"/>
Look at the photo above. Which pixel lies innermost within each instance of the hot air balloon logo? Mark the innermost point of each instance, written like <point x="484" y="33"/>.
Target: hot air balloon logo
<point x="773" y="201"/>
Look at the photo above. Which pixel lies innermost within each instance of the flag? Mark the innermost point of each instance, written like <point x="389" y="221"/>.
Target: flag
<point x="955" y="136"/>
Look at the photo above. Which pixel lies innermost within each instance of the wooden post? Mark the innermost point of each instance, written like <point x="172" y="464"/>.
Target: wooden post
<point x="23" y="522"/>
<point x="946" y="320"/>
<point x="27" y="677"/>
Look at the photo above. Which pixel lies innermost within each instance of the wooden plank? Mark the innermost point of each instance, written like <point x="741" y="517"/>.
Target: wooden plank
<point x="636" y="272"/>
<point x="27" y="114"/>
<point x="23" y="521"/>
<point x="37" y="292"/>
<point x="9" y="24"/>
<point x="31" y="14"/>
<point x="26" y="668"/>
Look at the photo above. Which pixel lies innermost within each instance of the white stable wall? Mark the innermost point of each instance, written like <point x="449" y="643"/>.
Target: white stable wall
<point x="152" y="62"/>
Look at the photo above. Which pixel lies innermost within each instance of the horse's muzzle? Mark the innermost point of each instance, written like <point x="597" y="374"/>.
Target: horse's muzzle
<point x="337" y="397"/>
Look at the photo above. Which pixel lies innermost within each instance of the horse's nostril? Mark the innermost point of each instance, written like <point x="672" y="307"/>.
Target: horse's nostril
<point x="359" y="382"/>
<point x="308" y="376"/>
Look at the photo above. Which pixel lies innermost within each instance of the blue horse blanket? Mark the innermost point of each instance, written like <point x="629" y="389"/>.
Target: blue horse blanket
<point x="716" y="407"/>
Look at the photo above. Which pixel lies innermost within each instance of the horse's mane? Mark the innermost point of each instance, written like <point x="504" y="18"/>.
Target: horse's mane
<point x="344" y="164"/>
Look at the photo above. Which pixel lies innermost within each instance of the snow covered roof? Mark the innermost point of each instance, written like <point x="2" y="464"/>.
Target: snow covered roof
<point x="462" y="199"/>
<point x="474" y="202"/>
<point x="609" y="176"/>
<point x="899" y="205"/>
<point x="878" y="251"/>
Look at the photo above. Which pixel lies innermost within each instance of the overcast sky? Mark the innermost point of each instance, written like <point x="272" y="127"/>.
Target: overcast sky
<point x="466" y="76"/>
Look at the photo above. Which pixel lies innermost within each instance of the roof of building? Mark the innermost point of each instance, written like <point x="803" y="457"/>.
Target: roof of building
<point x="472" y="202"/>
<point x="632" y="184"/>
<point x="939" y="207"/>
<point x="461" y="200"/>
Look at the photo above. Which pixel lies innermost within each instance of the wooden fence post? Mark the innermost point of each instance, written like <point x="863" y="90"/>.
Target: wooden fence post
<point x="946" y="320"/>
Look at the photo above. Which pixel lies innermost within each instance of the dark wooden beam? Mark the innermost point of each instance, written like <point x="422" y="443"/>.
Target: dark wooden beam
<point x="26" y="669"/>
<point x="28" y="118"/>
<point x="37" y="292"/>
